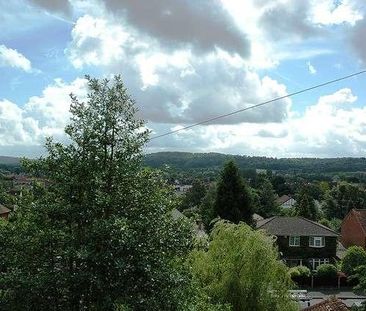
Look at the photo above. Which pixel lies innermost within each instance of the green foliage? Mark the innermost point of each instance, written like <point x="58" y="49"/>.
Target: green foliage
<point x="194" y="196"/>
<point x="325" y="222"/>
<point x="186" y="160"/>
<point x="100" y="237"/>
<point x="305" y="206"/>
<point x="267" y="200"/>
<point x="241" y="267"/>
<point x="341" y="199"/>
<point x="299" y="271"/>
<point x="355" y="256"/>
<point x="233" y="198"/>
<point x="334" y="224"/>
<point x="326" y="271"/>
<point x="207" y="206"/>
<point x="360" y="275"/>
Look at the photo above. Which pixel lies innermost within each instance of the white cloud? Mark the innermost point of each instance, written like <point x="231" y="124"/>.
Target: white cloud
<point x="331" y="127"/>
<point x="41" y="116"/>
<point x="311" y="68"/>
<point x="178" y="86"/>
<point x="12" y="58"/>
<point x="330" y="12"/>
<point x="96" y="41"/>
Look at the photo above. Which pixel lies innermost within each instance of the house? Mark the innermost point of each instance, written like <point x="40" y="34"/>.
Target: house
<point x="257" y="217"/>
<point x="332" y="304"/>
<point x="286" y="201"/>
<point x="181" y="189"/>
<point x="353" y="229"/>
<point x="4" y="212"/>
<point x="302" y="241"/>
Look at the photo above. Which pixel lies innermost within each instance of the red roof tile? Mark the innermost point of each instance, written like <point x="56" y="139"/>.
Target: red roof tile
<point x="332" y="304"/>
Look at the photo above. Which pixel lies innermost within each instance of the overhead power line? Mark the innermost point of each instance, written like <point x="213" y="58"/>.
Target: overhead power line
<point x="260" y="104"/>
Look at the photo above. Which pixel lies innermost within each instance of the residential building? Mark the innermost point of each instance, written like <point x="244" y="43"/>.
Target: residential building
<point x="4" y="212"/>
<point x="302" y="241"/>
<point x="353" y="229"/>
<point x="331" y="304"/>
<point x="286" y="201"/>
<point x="181" y="189"/>
<point x="257" y="217"/>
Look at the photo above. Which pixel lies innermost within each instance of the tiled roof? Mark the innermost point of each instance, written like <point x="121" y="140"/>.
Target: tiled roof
<point x="299" y="226"/>
<point x="360" y="214"/>
<point x="328" y="305"/>
<point x="4" y="210"/>
<point x="257" y="217"/>
<point x="283" y="199"/>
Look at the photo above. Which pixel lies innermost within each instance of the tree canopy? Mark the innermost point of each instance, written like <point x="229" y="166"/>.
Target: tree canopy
<point x="241" y="267"/>
<point x="233" y="198"/>
<point x="100" y="235"/>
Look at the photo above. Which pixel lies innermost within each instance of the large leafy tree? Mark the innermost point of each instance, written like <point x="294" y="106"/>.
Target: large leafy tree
<point x="242" y="268"/>
<point x="194" y="196"/>
<point x="305" y="206"/>
<point x="341" y="199"/>
<point x="100" y="235"/>
<point x="354" y="258"/>
<point x="233" y="198"/>
<point x="207" y="206"/>
<point x="268" y="205"/>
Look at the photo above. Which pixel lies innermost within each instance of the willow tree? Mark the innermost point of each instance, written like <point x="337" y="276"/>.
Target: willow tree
<point x="100" y="234"/>
<point x="241" y="268"/>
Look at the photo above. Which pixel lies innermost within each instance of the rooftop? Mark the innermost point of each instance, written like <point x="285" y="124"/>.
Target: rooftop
<point x="360" y="215"/>
<point x="283" y="199"/>
<point x="299" y="226"/>
<point x="332" y="304"/>
<point x="4" y="210"/>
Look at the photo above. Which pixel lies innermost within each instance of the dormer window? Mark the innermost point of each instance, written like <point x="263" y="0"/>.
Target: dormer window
<point x="294" y="241"/>
<point x="316" y="241"/>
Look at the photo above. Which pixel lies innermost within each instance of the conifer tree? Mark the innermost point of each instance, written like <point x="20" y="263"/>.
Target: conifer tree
<point x="233" y="198"/>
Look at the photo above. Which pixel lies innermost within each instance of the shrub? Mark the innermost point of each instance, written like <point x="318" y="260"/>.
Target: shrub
<point x="304" y="271"/>
<point x="294" y="272"/>
<point x="355" y="257"/>
<point x="326" y="271"/>
<point x="299" y="272"/>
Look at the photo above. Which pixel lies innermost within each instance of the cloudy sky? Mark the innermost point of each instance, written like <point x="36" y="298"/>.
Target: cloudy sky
<point x="185" y="61"/>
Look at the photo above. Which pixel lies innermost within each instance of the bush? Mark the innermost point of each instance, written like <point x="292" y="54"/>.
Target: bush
<point x="355" y="257"/>
<point x="304" y="271"/>
<point x="327" y="271"/>
<point x="325" y="222"/>
<point x="299" y="272"/>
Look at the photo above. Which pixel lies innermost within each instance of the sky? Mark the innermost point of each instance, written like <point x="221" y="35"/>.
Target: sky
<point x="186" y="61"/>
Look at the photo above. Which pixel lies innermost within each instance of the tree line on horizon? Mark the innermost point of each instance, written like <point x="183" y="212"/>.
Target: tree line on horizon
<point x="187" y="161"/>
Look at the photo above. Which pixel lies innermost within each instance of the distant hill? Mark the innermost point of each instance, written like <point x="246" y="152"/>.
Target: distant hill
<point x="9" y="165"/>
<point x="9" y="161"/>
<point x="186" y="161"/>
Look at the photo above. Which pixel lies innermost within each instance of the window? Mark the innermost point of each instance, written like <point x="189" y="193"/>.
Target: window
<point x="315" y="262"/>
<point x="316" y="241"/>
<point x="294" y="241"/>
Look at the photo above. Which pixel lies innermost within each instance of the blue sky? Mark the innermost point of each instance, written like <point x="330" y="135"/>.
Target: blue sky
<point x="187" y="61"/>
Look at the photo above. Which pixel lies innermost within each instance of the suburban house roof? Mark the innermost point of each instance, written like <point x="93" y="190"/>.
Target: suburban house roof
<point x="360" y="215"/>
<point x="283" y="199"/>
<point x="257" y="217"/>
<point x="177" y="214"/>
<point x="298" y="226"/>
<point x="4" y="210"/>
<point x="332" y="304"/>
